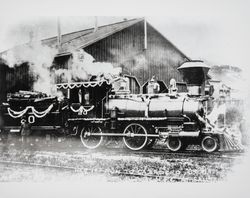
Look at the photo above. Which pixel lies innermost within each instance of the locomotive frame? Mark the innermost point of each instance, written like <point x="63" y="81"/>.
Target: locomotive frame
<point x="88" y="112"/>
<point x="113" y="123"/>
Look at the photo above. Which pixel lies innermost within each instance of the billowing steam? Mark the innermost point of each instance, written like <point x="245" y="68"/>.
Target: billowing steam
<point x="230" y="110"/>
<point x="233" y="77"/>
<point x="82" y="66"/>
<point x="136" y="61"/>
<point x="140" y="61"/>
<point x="130" y="56"/>
<point x="40" y="59"/>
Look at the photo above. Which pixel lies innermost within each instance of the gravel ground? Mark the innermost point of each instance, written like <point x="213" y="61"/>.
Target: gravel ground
<point x="37" y="161"/>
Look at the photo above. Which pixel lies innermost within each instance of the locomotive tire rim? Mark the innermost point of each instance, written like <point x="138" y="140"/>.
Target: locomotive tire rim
<point x="209" y="144"/>
<point x="174" y="144"/>
<point x="137" y="128"/>
<point x="89" y="131"/>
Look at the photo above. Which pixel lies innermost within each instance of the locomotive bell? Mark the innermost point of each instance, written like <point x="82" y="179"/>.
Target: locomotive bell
<point x="195" y="74"/>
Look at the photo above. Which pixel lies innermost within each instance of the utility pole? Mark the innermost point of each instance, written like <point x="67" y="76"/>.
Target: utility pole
<point x="145" y="34"/>
<point x="96" y="24"/>
<point x="59" y="35"/>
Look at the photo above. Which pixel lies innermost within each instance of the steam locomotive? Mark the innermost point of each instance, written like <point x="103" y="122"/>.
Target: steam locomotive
<point x="103" y="108"/>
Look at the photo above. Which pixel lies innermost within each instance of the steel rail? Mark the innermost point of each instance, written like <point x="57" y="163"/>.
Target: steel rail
<point x="130" y="173"/>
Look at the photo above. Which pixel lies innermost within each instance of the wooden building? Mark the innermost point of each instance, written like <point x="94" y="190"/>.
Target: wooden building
<point x="3" y="68"/>
<point x="135" y="45"/>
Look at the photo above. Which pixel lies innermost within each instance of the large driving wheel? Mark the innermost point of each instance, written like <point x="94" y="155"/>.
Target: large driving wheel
<point x="209" y="144"/>
<point x="174" y="144"/>
<point x="89" y="140"/>
<point x="133" y="140"/>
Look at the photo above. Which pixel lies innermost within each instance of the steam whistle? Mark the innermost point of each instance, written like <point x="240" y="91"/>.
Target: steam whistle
<point x="195" y="75"/>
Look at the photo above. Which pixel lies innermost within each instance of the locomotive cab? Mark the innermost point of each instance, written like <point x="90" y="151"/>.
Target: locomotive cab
<point x="86" y="99"/>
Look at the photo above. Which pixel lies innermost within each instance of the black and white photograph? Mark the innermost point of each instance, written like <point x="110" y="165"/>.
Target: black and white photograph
<point x="124" y="98"/>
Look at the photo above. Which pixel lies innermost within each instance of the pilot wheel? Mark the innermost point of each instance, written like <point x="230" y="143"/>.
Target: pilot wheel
<point x="174" y="144"/>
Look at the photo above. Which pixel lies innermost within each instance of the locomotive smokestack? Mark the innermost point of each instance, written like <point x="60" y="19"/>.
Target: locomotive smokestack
<point x="195" y="74"/>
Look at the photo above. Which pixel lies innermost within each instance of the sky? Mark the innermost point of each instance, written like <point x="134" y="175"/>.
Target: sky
<point x="214" y="31"/>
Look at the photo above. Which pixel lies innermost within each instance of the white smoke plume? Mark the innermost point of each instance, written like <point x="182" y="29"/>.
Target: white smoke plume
<point x="40" y="59"/>
<point x="233" y="77"/>
<point x="82" y="66"/>
<point x="160" y="56"/>
<point x="234" y="107"/>
<point x="240" y="172"/>
<point x="131" y="54"/>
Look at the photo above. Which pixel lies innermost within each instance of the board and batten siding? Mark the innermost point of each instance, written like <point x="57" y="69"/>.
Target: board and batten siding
<point x="118" y="48"/>
<point x="163" y="57"/>
<point x="3" y="68"/>
<point x="126" y="49"/>
<point x="19" y="78"/>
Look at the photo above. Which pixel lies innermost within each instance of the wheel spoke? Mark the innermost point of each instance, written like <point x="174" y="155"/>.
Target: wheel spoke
<point x="132" y="129"/>
<point x="139" y="129"/>
<point x="136" y="132"/>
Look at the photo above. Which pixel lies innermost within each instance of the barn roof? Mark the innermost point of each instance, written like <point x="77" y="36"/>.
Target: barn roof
<point x="86" y="37"/>
<point x="83" y="38"/>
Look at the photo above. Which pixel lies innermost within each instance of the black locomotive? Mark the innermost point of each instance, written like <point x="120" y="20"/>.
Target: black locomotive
<point x="106" y="108"/>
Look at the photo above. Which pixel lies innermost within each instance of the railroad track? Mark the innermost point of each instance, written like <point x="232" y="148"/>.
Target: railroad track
<point x="148" y="152"/>
<point x="158" y="151"/>
<point x="99" y="162"/>
<point x="117" y="173"/>
<point x="167" y="153"/>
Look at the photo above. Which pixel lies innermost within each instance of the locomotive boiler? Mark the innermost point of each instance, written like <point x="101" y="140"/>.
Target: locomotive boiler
<point x="156" y="116"/>
<point x="105" y="109"/>
<point x="160" y="105"/>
